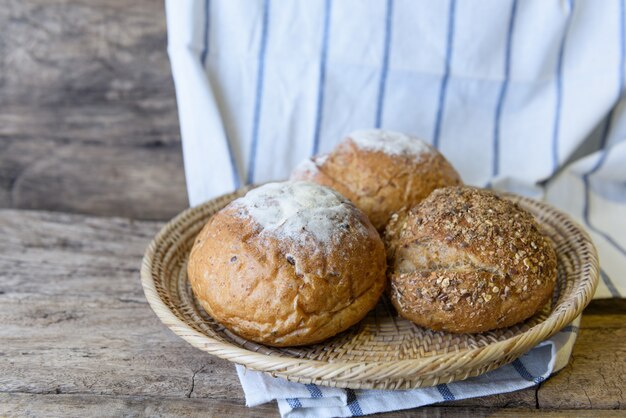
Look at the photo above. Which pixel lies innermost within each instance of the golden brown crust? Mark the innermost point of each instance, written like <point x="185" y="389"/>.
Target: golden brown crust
<point x="282" y="291"/>
<point x="377" y="182"/>
<point x="466" y="260"/>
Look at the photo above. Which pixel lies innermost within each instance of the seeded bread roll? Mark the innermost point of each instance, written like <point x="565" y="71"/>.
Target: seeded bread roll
<point x="289" y="264"/>
<point x="466" y="260"/>
<point x="380" y="172"/>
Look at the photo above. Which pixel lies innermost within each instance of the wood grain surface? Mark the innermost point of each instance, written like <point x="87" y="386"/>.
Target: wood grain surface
<point x="78" y="336"/>
<point x="88" y="119"/>
<point x="84" y="405"/>
<point x="88" y="124"/>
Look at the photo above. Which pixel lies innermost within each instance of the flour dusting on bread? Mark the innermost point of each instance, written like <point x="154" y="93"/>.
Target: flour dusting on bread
<point x="292" y="209"/>
<point x="288" y="264"/>
<point x="390" y="142"/>
<point x="310" y="166"/>
<point x="306" y="167"/>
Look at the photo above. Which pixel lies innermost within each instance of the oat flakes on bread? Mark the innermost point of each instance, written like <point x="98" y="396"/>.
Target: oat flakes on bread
<point x="380" y="171"/>
<point x="467" y="260"/>
<point x="289" y="264"/>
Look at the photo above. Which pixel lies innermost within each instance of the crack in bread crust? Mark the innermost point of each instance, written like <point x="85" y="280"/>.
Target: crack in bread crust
<point x="432" y="255"/>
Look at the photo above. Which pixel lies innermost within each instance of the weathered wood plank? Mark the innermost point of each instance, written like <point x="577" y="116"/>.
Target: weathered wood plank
<point x="75" y="319"/>
<point x="596" y="375"/>
<point x="605" y="313"/>
<point x="83" y="52"/>
<point x="88" y="118"/>
<point x="19" y="405"/>
<point x="75" y="323"/>
<point x="136" y="182"/>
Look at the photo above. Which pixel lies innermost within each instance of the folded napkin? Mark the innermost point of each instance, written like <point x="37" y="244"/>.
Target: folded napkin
<point x="296" y="400"/>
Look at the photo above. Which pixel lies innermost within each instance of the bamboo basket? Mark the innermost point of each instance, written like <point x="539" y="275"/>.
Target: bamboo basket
<point x="383" y="351"/>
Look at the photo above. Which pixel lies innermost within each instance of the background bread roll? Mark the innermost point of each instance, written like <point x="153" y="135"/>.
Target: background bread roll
<point x="289" y="264"/>
<point x="466" y="260"/>
<point x="380" y="171"/>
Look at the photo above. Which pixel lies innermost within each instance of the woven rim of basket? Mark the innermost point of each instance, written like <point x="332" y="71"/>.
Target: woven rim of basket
<point x="425" y="368"/>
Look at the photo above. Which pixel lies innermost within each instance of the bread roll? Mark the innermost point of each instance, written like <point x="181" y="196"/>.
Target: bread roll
<point x="380" y="172"/>
<point x="466" y="260"/>
<point x="290" y="263"/>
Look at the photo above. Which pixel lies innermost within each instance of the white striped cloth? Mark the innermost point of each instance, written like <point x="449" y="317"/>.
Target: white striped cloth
<point x="297" y="400"/>
<point x="520" y="95"/>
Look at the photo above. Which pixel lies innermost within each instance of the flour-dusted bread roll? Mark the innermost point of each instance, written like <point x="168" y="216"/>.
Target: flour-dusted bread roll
<point x="290" y="263"/>
<point x="380" y="171"/>
<point x="466" y="260"/>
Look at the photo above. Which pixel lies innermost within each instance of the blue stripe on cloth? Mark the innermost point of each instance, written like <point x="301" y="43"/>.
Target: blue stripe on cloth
<point x="608" y="126"/>
<point x="603" y="153"/>
<point x="571" y="328"/>
<point x="503" y="90"/>
<point x="559" y="90"/>
<point x="314" y="391"/>
<point x="446" y="74"/>
<point x="622" y="55"/>
<point x="353" y="403"/>
<point x="586" y="207"/>
<point x="233" y="164"/>
<point x="203" y="56"/>
<point x="609" y="284"/>
<point x="523" y="371"/>
<point x="445" y="392"/>
<point x="205" y="46"/>
<point x="259" y="92"/>
<point x="385" y="64"/>
<point x="586" y="217"/>
<point x="294" y="403"/>
<point x="586" y="203"/>
<point x="322" y="80"/>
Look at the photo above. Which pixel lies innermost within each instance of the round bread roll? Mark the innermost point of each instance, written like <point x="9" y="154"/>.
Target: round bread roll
<point x="380" y="171"/>
<point x="288" y="264"/>
<point x="466" y="260"/>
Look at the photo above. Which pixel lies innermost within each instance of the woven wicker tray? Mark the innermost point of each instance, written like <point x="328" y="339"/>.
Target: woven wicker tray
<point x="383" y="351"/>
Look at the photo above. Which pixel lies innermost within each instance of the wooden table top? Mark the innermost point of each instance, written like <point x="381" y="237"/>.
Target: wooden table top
<point x="88" y="126"/>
